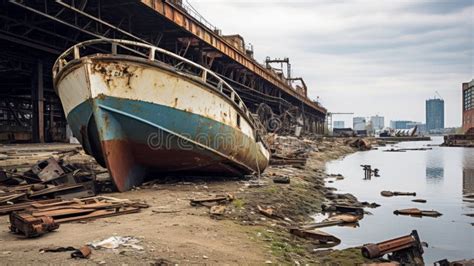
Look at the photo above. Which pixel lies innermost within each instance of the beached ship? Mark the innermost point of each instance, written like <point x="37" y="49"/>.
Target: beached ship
<point x="139" y="109"/>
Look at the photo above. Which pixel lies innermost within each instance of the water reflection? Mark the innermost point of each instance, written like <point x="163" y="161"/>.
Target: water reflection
<point x="468" y="173"/>
<point x="434" y="174"/>
<point x="434" y="171"/>
<point x="440" y="176"/>
<point x="468" y="181"/>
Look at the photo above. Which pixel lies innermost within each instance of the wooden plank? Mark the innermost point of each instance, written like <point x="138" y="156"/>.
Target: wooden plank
<point x="98" y="214"/>
<point x="63" y="212"/>
<point x="20" y="206"/>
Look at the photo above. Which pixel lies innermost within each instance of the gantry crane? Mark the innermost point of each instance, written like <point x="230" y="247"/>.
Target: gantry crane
<point x="329" y="118"/>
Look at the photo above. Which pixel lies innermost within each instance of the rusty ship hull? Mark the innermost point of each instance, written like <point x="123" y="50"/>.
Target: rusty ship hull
<point x="138" y="116"/>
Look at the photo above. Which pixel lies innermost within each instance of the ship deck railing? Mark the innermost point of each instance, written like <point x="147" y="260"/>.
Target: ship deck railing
<point x="156" y="54"/>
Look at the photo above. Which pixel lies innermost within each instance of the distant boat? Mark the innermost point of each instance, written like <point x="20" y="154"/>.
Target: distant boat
<point x="139" y="109"/>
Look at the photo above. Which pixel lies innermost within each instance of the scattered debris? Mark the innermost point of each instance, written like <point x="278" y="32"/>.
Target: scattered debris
<point x="41" y="218"/>
<point x="269" y="212"/>
<point x="279" y="160"/>
<point x="419" y="200"/>
<point x="323" y="238"/>
<point x="393" y="150"/>
<point x="346" y="218"/>
<point x="214" y="199"/>
<point x="387" y="193"/>
<point x="407" y="149"/>
<point x="6" y="209"/>
<point x="445" y="262"/>
<point x="165" y="211"/>
<point x="255" y="183"/>
<point x="337" y="176"/>
<point x="31" y="226"/>
<point x="281" y="180"/>
<point x="58" y="249"/>
<point x="369" y="172"/>
<point x="288" y="150"/>
<point x="360" y="144"/>
<point x="161" y="262"/>
<point x="343" y="209"/>
<point x="417" y="212"/>
<point x="47" y="170"/>
<point x="217" y="210"/>
<point x="115" y="242"/>
<point x="416" y="149"/>
<point x="333" y="220"/>
<point x="370" y="205"/>
<point x="407" y="250"/>
<point x="47" y="179"/>
<point x="82" y="253"/>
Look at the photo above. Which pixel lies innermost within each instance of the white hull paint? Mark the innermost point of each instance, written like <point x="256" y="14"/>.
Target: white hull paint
<point x="129" y="80"/>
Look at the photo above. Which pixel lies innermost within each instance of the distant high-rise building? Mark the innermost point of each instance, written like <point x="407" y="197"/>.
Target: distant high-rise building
<point x="434" y="114"/>
<point x="378" y="122"/>
<point x="338" y="124"/>
<point x="358" y="123"/>
<point x="402" y="124"/>
<point x="468" y="107"/>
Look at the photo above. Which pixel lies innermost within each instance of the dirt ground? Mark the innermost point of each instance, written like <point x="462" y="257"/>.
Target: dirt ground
<point x="173" y="231"/>
<point x="187" y="236"/>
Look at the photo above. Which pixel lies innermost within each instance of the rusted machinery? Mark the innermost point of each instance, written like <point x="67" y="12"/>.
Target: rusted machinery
<point x="31" y="226"/>
<point x="369" y="172"/>
<point x="406" y="249"/>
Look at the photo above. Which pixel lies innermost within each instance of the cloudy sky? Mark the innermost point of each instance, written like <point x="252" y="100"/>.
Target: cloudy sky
<point x="363" y="56"/>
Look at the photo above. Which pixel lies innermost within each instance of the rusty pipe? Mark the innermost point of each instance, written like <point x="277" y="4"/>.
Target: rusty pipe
<point x="378" y="250"/>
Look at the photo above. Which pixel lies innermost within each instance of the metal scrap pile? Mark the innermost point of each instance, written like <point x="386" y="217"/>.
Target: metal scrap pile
<point x="52" y="191"/>
<point x="287" y="150"/>
<point x="48" y="178"/>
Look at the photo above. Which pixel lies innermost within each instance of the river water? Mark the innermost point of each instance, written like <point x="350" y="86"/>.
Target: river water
<point x="441" y="176"/>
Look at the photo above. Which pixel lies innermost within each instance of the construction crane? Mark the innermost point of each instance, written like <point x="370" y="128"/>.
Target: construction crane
<point x="329" y="118"/>
<point x="437" y="93"/>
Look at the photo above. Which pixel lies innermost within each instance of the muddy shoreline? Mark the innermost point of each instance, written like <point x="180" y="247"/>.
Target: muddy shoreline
<point x="296" y="204"/>
<point x="172" y="230"/>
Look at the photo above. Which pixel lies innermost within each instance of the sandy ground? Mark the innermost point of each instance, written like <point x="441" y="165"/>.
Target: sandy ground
<point x="188" y="234"/>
